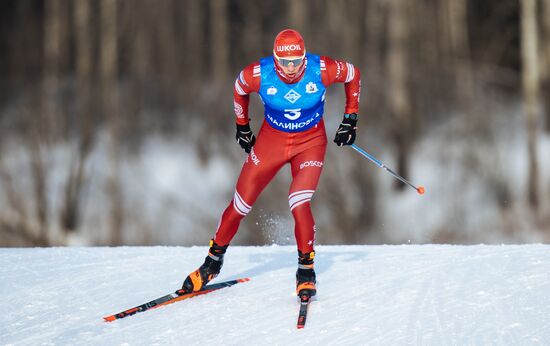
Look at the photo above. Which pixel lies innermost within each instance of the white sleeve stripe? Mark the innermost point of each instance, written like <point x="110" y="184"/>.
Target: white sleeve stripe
<point x="241" y="79"/>
<point x="299" y="198"/>
<point x="236" y="207"/>
<point x="300" y="192"/>
<point x="351" y="72"/>
<point x="299" y="203"/>
<point x="239" y="205"/>
<point x="242" y="201"/>
<point x="256" y="72"/>
<point x="240" y="90"/>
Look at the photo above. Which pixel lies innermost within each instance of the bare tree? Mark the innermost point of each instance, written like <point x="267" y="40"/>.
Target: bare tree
<point x="373" y="74"/>
<point x="529" y="40"/>
<point x="168" y="54"/>
<point x="219" y="42"/>
<point x="460" y="52"/>
<point x="70" y="215"/>
<point x="194" y="39"/>
<point x="251" y="30"/>
<point x="352" y="30"/>
<point x="41" y="129"/>
<point x="298" y="13"/>
<point x="110" y="97"/>
<point x="546" y="58"/>
<point x="397" y="93"/>
<point x="336" y="15"/>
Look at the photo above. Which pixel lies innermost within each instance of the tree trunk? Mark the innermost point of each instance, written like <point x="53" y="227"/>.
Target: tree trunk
<point x="397" y="91"/>
<point x="41" y="127"/>
<point x="141" y="52"/>
<point x="51" y="67"/>
<point x="194" y="49"/>
<point x="460" y="48"/>
<point x="109" y="71"/>
<point x="530" y="93"/>
<point x="251" y="31"/>
<point x="351" y="33"/>
<point x="375" y="27"/>
<point x="169" y="58"/>
<point x="335" y="17"/>
<point x="219" y="43"/>
<point x="298" y="16"/>
<point x="546" y="60"/>
<point x="70" y="216"/>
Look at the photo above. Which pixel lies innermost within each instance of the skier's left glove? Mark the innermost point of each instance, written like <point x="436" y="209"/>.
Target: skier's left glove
<point x="245" y="137"/>
<point x="345" y="135"/>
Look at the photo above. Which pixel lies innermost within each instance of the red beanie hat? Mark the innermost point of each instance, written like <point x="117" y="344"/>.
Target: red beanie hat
<point x="289" y="43"/>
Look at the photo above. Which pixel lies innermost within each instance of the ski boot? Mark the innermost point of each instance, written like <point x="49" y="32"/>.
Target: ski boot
<point x="208" y="270"/>
<point x="305" y="275"/>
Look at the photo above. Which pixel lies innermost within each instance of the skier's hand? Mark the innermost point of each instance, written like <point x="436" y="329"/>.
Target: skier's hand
<point x="245" y="137"/>
<point x="345" y="135"/>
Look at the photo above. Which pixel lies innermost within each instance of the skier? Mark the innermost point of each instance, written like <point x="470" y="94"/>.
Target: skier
<point x="292" y="86"/>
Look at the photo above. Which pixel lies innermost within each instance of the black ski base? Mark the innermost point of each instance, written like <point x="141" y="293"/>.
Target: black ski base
<point x="172" y="298"/>
<point x="305" y="299"/>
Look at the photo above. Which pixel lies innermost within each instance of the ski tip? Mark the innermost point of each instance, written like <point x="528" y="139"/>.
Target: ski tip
<point x="300" y="326"/>
<point x="244" y="280"/>
<point x="109" y="318"/>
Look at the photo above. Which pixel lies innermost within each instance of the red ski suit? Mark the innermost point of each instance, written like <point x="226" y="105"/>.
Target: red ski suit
<point x="305" y="151"/>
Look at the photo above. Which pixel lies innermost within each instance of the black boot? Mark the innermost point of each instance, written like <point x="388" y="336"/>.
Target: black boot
<point x="208" y="270"/>
<point x="305" y="275"/>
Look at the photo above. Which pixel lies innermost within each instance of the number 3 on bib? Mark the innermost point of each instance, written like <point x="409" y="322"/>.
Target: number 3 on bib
<point x="293" y="114"/>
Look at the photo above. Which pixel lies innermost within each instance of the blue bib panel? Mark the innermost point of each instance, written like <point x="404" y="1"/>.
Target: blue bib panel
<point x="292" y="107"/>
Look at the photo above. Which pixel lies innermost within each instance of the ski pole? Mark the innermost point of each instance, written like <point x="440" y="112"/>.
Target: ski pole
<point x="419" y="189"/>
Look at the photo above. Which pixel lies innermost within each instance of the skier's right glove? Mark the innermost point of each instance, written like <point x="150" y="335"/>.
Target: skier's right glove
<point x="345" y="135"/>
<point x="245" y="137"/>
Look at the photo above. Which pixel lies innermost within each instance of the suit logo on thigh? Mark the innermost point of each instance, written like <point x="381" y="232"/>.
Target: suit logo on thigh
<point x="311" y="164"/>
<point x="254" y="157"/>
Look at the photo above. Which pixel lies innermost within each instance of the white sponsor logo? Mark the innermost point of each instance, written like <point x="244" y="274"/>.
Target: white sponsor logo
<point x="312" y="241"/>
<point x="292" y="96"/>
<point x="254" y="158"/>
<point x="292" y="126"/>
<point x="271" y="91"/>
<point x="238" y="109"/>
<point x="311" y="164"/>
<point x="288" y="48"/>
<point x="311" y="88"/>
<point x="339" y="68"/>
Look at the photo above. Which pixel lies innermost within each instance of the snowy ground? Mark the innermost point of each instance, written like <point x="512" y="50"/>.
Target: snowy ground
<point x="368" y="295"/>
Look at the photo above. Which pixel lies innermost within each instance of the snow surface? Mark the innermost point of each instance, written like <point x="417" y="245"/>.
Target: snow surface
<point x="368" y="295"/>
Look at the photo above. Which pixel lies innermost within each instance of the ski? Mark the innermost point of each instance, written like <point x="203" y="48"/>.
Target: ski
<point x="304" y="304"/>
<point x="172" y="298"/>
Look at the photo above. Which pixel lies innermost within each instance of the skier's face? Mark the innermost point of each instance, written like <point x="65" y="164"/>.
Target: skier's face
<point x="291" y="65"/>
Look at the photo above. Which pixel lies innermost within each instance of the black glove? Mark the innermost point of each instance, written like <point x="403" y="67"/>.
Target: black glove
<point x="245" y="137"/>
<point x="345" y="135"/>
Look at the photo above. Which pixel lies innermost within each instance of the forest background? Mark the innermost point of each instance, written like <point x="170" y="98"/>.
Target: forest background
<point x="117" y="125"/>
